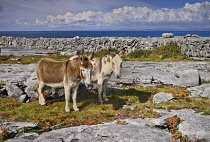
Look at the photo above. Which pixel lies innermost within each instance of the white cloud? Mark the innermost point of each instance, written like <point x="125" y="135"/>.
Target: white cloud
<point x="21" y="21"/>
<point x="132" y="16"/>
<point x="80" y="19"/>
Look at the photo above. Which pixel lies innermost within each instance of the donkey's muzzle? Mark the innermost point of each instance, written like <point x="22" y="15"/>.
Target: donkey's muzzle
<point x="89" y="86"/>
<point x="118" y="76"/>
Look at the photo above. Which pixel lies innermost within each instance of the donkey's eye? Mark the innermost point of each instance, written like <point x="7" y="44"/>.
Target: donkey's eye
<point x="83" y="70"/>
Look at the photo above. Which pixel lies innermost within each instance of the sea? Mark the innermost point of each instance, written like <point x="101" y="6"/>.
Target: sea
<point x="71" y="34"/>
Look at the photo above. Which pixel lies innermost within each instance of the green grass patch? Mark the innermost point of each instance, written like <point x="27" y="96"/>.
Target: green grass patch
<point x="29" y="59"/>
<point x="2" y="84"/>
<point x="35" y="58"/>
<point x="170" y="52"/>
<point x="205" y="81"/>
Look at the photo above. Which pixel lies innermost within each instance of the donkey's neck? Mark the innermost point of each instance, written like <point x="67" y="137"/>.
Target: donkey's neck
<point x="107" y="67"/>
<point x="73" y="69"/>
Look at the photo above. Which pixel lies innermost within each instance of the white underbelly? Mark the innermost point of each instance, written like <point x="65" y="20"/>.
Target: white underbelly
<point x="101" y="77"/>
<point x="55" y="85"/>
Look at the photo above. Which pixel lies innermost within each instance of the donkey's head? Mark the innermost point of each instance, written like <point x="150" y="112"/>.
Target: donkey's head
<point x="117" y="65"/>
<point x="86" y="71"/>
<point x="85" y="67"/>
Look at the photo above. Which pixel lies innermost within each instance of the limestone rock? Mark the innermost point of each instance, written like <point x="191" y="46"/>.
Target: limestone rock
<point x="186" y="78"/>
<point x="194" y="125"/>
<point x="188" y="35"/>
<point x="185" y="74"/>
<point x="24" y="137"/>
<point x="17" y="126"/>
<point x="162" y="97"/>
<point x="13" y="90"/>
<point x="167" y="35"/>
<point x="31" y="84"/>
<point x="192" y="45"/>
<point x="3" y="91"/>
<point x="107" y="132"/>
<point x="23" y="98"/>
<point x="200" y="91"/>
<point x="132" y="107"/>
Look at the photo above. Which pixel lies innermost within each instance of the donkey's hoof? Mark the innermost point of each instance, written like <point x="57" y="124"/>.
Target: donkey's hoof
<point x="67" y="110"/>
<point x="76" y="109"/>
<point x="42" y="103"/>
<point x="106" y="100"/>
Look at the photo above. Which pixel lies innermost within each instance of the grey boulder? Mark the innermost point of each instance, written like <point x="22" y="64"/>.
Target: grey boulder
<point x="186" y="78"/>
<point x="16" y="127"/>
<point x="167" y="35"/>
<point x="23" y="98"/>
<point x="31" y="84"/>
<point x="13" y="90"/>
<point x="162" y="97"/>
<point x="200" y="91"/>
<point x="24" y="137"/>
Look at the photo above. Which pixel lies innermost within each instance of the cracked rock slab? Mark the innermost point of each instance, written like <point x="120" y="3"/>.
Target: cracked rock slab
<point x="107" y="132"/>
<point x="200" y="91"/>
<point x="194" y="125"/>
<point x="18" y="126"/>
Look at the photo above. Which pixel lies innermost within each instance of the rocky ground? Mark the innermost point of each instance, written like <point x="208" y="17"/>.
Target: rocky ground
<point x="18" y="51"/>
<point x="194" y="125"/>
<point x="21" y="83"/>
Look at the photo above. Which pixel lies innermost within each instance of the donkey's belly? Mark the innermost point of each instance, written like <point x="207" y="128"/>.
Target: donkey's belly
<point x="56" y="85"/>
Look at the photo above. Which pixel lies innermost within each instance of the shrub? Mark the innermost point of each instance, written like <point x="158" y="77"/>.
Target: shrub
<point x="169" y="52"/>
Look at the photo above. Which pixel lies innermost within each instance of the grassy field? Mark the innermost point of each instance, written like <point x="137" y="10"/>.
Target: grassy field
<point x="91" y="112"/>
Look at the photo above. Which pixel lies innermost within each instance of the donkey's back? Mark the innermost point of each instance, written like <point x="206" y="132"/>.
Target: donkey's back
<point x="50" y="71"/>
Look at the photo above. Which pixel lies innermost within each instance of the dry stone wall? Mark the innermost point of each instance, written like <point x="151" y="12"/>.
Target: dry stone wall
<point x="191" y="45"/>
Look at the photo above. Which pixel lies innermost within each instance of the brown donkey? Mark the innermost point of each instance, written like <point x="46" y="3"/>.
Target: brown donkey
<point x="67" y="74"/>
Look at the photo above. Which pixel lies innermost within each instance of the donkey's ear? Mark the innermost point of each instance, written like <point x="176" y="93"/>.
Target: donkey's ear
<point x="77" y="52"/>
<point x="112" y="54"/>
<point x="122" y="52"/>
<point x="82" y="59"/>
<point x="91" y="56"/>
<point x="82" y="51"/>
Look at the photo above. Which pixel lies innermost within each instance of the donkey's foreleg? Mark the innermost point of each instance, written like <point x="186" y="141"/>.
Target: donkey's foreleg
<point x="74" y="97"/>
<point x="100" y="90"/>
<point x="67" y="97"/>
<point x="104" y="91"/>
<point x="39" y="90"/>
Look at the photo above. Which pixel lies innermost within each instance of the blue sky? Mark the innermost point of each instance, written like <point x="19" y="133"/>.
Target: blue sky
<point x="39" y="15"/>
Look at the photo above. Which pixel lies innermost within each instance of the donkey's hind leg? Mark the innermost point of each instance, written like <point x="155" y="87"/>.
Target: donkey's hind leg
<point x="74" y="97"/>
<point x="104" y="91"/>
<point x="67" y="89"/>
<point x="39" y="90"/>
<point x="100" y="90"/>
